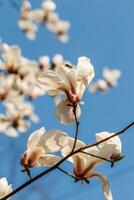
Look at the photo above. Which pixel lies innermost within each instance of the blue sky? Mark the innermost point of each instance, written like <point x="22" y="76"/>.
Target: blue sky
<point x="104" y="31"/>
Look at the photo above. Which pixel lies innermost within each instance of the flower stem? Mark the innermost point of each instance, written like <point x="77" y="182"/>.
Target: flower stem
<point x="77" y="126"/>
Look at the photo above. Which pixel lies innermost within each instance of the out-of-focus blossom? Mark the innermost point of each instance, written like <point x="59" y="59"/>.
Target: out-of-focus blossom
<point x="99" y="85"/>
<point x="70" y="81"/>
<point x="17" y="118"/>
<point x="17" y="82"/>
<point x="84" y="163"/>
<point x="46" y="63"/>
<point x="30" y="20"/>
<point x="5" y="189"/>
<point x="110" y="80"/>
<point x="18" y="73"/>
<point x="111" y="76"/>
<point x="39" y="146"/>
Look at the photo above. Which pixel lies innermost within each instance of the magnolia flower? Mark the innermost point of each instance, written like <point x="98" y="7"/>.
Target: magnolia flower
<point x="31" y="19"/>
<point x="110" y="80"/>
<point x="5" y="189"/>
<point x="17" y="118"/>
<point x="39" y="146"/>
<point x="71" y="82"/>
<point x="18" y="74"/>
<point x="14" y="63"/>
<point x="84" y="163"/>
<point x="61" y="30"/>
<point x="111" y="76"/>
<point x="100" y="85"/>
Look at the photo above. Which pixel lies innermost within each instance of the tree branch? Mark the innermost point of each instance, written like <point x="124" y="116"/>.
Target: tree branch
<point x="108" y="138"/>
<point x="62" y="160"/>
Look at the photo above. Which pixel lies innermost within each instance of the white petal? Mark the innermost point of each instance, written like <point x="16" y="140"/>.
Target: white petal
<point x="68" y="148"/>
<point x="4" y="187"/>
<point x="106" y="151"/>
<point x="105" y="185"/>
<point x="85" y="70"/>
<point x="48" y="160"/>
<point x="35" y="137"/>
<point x="11" y="132"/>
<point x="65" y="113"/>
<point x="115" y="140"/>
<point x="53" y="140"/>
<point x="52" y="82"/>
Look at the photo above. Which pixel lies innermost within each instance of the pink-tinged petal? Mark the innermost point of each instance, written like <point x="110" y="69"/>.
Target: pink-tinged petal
<point x="79" y="165"/>
<point x="105" y="185"/>
<point x="34" y="138"/>
<point x="64" y="112"/>
<point x="85" y="70"/>
<point x="33" y="155"/>
<point x="53" y="140"/>
<point x="48" y="160"/>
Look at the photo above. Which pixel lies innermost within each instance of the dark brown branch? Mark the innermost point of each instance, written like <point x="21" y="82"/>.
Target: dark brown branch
<point x="90" y="154"/>
<point x="62" y="160"/>
<point x="108" y="138"/>
<point x="77" y="126"/>
<point x="65" y="172"/>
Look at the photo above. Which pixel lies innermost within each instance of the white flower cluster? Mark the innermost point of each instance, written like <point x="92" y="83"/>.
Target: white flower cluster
<point x="56" y="77"/>
<point x="41" y="145"/>
<point x="30" y="20"/>
<point x="17" y="83"/>
<point x="110" y="79"/>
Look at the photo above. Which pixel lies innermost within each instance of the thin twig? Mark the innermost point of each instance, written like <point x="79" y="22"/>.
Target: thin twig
<point x="61" y="161"/>
<point x="90" y="154"/>
<point x="65" y="172"/>
<point x="108" y="138"/>
<point x="77" y="126"/>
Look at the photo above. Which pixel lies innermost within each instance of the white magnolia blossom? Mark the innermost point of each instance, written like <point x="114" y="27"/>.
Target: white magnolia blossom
<point x="5" y="189"/>
<point x="110" y="80"/>
<point x="17" y="118"/>
<point x="85" y="163"/>
<point x="31" y="19"/>
<point x="100" y="85"/>
<point x="111" y="76"/>
<point x="41" y="145"/>
<point x="70" y="81"/>
<point x="19" y="72"/>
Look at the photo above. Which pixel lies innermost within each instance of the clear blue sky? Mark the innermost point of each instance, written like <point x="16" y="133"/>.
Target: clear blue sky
<point x="104" y="31"/>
